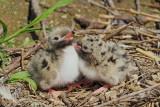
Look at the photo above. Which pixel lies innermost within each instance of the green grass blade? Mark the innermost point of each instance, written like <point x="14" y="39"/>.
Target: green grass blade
<point x="44" y="15"/>
<point x="4" y="26"/>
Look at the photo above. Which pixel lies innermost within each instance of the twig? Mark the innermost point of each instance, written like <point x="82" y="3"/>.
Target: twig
<point x="136" y="41"/>
<point x="128" y="82"/>
<point x="73" y="25"/>
<point x="119" y="30"/>
<point x="66" y="100"/>
<point x="36" y="7"/>
<point x="112" y="5"/>
<point x="85" y="100"/>
<point x="125" y="10"/>
<point x="138" y="9"/>
<point x="16" y="63"/>
<point x="142" y="31"/>
<point x="108" y="28"/>
<point x="132" y="11"/>
<point x="34" y="11"/>
<point x="38" y="11"/>
<point x="22" y="59"/>
<point x="91" y="31"/>
<point x="149" y="54"/>
<point x="137" y="5"/>
<point x="101" y="6"/>
<point x="12" y="50"/>
<point x="129" y="95"/>
<point x="149" y="35"/>
<point x="128" y="18"/>
<point x="31" y="16"/>
<point x="157" y="6"/>
<point x="154" y="49"/>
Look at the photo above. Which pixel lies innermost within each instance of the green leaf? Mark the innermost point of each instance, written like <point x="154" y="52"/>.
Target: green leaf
<point x="32" y="84"/>
<point x="23" y="76"/>
<point x="19" y="76"/>
<point x="44" y="15"/>
<point x="4" y="26"/>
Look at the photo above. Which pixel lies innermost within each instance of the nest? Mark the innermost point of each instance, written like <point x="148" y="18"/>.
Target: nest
<point x="138" y="31"/>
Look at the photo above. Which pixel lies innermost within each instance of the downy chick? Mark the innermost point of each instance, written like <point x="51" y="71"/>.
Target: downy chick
<point x="104" y="61"/>
<point x="56" y="66"/>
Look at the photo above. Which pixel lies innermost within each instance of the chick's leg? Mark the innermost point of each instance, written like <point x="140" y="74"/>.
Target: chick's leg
<point x="73" y="86"/>
<point x="101" y="89"/>
<point x="54" y="92"/>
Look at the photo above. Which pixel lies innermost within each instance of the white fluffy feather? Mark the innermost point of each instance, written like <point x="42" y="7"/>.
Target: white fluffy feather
<point x="87" y="71"/>
<point x="69" y="70"/>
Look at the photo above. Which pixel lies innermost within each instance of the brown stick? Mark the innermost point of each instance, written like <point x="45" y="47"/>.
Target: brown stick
<point x="132" y="11"/>
<point x="128" y="18"/>
<point x="91" y="31"/>
<point x="112" y="5"/>
<point x="148" y="35"/>
<point x="101" y="6"/>
<point x="137" y="5"/>
<point x="17" y="64"/>
<point x="157" y="6"/>
<point x="129" y="95"/>
<point x="34" y="11"/>
<point x="125" y="10"/>
<point x="22" y="59"/>
<point x="148" y="54"/>
<point x="85" y="100"/>
<point x="117" y="31"/>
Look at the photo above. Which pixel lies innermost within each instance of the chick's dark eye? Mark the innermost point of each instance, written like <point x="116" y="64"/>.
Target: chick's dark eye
<point x="100" y="44"/>
<point x="44" y="63"/>
<point x="85" y="47"/>
<point x="91" y="40"/>
<point x="56" y="38"/>
<point x="103" y="53"/>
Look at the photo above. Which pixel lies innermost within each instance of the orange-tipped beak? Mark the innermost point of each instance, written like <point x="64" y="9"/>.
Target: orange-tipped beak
<point x="77" y="47"/>
<point x="69" y="36"/>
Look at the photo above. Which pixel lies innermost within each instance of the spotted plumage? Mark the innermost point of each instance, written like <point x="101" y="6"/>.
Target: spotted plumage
<point x="112" y="62"/>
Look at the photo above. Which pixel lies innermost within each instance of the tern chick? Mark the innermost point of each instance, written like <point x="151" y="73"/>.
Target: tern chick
<point x="57" y="65"/>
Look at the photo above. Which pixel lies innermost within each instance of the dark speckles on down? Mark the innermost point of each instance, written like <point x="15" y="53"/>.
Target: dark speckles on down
<point x="44" y="63"/>
<point x="111" y="59"/>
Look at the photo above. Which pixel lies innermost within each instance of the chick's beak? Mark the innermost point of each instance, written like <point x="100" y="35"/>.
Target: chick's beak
<point x="69" y="36"/>
<point x="77" y="47"/>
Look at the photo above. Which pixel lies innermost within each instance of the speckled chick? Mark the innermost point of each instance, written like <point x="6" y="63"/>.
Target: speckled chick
<point x="56" y="66"/>
<point x="104" y="61"/>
